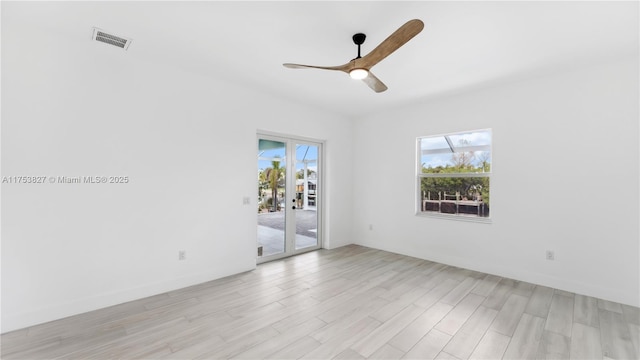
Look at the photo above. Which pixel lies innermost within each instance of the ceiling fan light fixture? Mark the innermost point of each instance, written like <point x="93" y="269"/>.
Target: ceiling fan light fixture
<point x="358" y="74"/>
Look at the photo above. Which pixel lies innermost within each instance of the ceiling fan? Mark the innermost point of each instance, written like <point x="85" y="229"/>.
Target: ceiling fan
<point x="359" y="68"/>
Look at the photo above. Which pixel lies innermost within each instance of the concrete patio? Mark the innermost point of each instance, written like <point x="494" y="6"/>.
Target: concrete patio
<point x="271" y="231"/>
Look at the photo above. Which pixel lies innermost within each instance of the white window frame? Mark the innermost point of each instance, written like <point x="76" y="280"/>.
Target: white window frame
<point x="420" y="175"/>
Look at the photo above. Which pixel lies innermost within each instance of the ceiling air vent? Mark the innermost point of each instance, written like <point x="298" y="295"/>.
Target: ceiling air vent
<point x="105" y="37"/>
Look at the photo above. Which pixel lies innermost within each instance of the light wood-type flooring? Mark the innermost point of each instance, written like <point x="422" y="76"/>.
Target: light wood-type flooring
<point x="349" y="303"/>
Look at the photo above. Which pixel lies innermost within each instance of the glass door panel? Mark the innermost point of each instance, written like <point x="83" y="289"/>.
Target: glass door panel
<point x="305" y="212"/>
<point x="272" y="193"/>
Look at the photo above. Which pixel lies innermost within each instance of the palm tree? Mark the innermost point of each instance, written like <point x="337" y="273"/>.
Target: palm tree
<point x="263" y="184"/>
<point x="274" y="174"/>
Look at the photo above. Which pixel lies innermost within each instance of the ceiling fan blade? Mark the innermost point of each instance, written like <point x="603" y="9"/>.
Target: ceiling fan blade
<point x="344" y="67"/>
<point x="400" y="37"/>
<point x="374" y="83"/>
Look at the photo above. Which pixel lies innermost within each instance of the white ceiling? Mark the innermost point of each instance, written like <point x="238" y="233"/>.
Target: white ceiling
<point x="463" y="45"/>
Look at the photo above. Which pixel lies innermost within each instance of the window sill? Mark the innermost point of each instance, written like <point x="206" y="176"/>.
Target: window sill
<point x="476" y="219"/>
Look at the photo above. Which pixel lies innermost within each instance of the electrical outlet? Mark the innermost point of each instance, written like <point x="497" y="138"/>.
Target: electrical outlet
<point x="551" y="255"/>
<point x="246" y="200"/>
<point x="182" y="255"/>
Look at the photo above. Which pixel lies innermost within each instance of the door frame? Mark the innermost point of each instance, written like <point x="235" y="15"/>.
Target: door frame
<point x="290" y="231"/>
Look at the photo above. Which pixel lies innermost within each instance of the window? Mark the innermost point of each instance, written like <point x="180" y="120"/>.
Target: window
<point x="454" y="175"/>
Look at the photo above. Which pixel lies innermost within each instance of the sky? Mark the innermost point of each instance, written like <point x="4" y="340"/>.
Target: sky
<point x="442" y="151"/>
<point x="303" y="152"/>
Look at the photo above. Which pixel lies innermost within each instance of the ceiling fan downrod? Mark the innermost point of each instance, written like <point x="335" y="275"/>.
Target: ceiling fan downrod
<point x="358" y="39"/>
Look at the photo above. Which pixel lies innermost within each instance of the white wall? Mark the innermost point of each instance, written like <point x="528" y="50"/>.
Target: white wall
<point x="71" y="107"/>
<point x="565" y="178"/>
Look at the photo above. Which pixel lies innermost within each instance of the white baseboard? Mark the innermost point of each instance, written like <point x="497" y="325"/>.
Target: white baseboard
<point x="11" y="322"/>
<point x="605" y="293"/>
